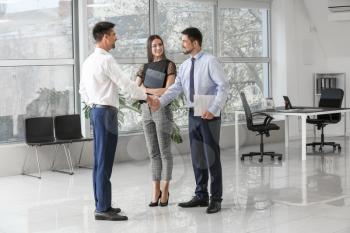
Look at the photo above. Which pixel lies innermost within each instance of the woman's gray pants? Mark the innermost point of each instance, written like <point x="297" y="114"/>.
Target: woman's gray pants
<point x="157" y="128"/>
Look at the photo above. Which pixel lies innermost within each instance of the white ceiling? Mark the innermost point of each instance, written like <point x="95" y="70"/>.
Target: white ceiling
<point x="333" y="35"/>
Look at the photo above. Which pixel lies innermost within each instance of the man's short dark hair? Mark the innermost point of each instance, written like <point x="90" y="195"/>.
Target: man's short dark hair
<point x="193" y="34"/>
<point x="100" y="29"/>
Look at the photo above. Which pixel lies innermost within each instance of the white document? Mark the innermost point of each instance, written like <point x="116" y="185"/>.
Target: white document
<point x="202" y="104"/>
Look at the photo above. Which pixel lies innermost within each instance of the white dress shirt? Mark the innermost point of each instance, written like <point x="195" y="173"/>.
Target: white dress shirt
<point x="101" y="78"/>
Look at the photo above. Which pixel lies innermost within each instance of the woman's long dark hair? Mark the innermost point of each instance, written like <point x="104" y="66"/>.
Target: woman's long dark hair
<point x="149" y="47"/>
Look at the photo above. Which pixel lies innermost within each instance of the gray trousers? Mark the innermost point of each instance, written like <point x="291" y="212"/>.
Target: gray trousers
<point x="157" y="129"/>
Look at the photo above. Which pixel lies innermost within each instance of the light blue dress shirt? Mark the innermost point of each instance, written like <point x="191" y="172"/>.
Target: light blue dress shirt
<point x="209" y="79"/>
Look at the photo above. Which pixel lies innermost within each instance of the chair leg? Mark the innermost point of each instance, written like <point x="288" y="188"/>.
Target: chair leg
<point x="70" y="159"/>
<point x="37" y="161"/>
<point x="322" y="143"/>
<point x="80" y="156"/>
<point x="70" y="172"/>
<point x="38" y="164"/>
<point x="262" y="153"/>
<point x="322" y="139"/>
<point x="54" y="158"/>
<point x="261" y="148"/>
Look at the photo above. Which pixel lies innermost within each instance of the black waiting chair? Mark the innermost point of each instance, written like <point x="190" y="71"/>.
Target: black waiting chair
<point x="38" y="132"/>
<point x="68" y="130"/>
<point x="61" y="130"/>
<point x="261" y="129"/>
<point x="330" y="98"/>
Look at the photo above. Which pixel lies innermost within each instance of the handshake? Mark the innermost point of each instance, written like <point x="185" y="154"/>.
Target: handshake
<point x="153" y="102"/>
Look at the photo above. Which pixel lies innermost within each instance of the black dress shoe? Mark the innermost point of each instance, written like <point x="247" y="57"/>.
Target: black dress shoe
<point x="153" y="204"/>
<point x="214" y="207"/>
<point x="115" y="210"/>
<point x="194" y="202"/>
<point x="110" y="215"/>
<point x="162" y="204"/>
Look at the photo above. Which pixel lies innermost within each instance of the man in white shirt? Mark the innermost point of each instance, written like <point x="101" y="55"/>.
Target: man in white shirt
<point x="100" y="81"/>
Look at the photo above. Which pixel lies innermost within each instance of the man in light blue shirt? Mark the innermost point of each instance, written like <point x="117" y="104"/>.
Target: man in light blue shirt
<point x="201" y="74"/>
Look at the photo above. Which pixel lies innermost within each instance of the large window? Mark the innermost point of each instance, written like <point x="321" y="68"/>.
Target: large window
<point x="236" y="34"/>
<point x="39" y="63"/>
<point x="31" y="91"/>
<point x="242" y="32"/>
<point x="244" y="52"/>
<point x="247" y="77"/>
<point x="132" y="24"/>
<point x="36" y="63"/>
<point x="36" y="29"/>
<point x="172" y="17"/>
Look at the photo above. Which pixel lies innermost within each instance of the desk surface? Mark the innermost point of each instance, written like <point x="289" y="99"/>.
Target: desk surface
<point x="303" y="110"/>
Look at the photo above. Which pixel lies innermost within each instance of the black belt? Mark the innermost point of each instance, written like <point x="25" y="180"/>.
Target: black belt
<point x="104" y="106"/>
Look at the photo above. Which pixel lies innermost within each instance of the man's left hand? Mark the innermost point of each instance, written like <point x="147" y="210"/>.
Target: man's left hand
<point x="207" y="115"/>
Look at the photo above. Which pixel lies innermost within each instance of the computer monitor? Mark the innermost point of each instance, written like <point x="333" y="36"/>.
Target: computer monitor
<point x="287" y="103"/>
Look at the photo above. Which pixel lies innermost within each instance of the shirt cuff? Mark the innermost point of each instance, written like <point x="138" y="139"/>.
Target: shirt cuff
<point x="215" y="110"/>
<point x="161" y="100"/>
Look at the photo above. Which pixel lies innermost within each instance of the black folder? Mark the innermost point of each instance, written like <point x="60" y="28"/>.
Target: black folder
<point x="154" y="79"/>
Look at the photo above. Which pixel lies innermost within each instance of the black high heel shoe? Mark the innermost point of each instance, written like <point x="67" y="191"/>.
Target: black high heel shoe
<point x="165" y="203"/>
<point x="153" y="204"/>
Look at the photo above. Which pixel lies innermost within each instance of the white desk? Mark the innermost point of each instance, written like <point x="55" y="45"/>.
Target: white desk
<point x="301" y="113"/>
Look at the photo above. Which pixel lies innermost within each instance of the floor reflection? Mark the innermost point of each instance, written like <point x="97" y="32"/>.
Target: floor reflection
<point x="289" y="196"/>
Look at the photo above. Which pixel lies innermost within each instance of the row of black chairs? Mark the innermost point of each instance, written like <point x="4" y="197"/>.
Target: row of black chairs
<point x="330" y="98"/>
<point x="58" y="130"/>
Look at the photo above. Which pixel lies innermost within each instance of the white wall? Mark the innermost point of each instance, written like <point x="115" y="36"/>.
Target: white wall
<point x="130" y="148"/>
<point x="299" y="49"/>
<point x="333" y="32"/>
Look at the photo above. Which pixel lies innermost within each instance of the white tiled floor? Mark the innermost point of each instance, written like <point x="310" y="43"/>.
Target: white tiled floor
<point x="268" y="198"/>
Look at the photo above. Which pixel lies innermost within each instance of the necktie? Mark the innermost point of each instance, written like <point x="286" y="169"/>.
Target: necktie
<point x="192" y="80"/>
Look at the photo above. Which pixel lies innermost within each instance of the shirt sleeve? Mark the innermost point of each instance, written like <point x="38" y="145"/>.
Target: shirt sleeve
<point x="120" y="79"/>
<point x="172" y="92"/>
<point x="219" y="77"/>
<point x="171" y="68"/>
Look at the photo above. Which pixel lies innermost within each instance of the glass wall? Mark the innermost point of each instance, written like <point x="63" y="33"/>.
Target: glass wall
<point x="172" y="17"/>
<point x="36" y="63"/>
<point x="244" y="52"/>
<point x="132" y="24"/>
<point x="36" y="29"/>
<point x="39" y="65"/>
<point x="242" y="32"/>
<point x="238" y="36"/>
<point x="247" y="77"/>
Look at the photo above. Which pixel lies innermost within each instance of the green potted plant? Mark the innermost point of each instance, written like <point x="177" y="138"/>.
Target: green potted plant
<point x="175" y="133"/>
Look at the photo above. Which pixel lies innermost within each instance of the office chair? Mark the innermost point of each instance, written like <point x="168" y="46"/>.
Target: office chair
<point x="330" y="98"/>
<point x="261" y="129"/>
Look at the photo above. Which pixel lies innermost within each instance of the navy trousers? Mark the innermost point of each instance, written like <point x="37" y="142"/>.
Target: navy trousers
<point x="205" y="154"/>
<point x="105" y="127"/>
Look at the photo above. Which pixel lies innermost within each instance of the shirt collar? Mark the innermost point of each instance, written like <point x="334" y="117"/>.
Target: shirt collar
<point x="198" y="55"/>
<point x="99" y="50"/>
